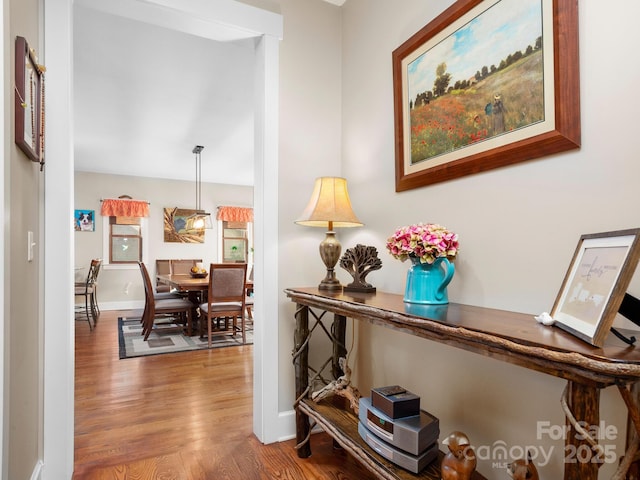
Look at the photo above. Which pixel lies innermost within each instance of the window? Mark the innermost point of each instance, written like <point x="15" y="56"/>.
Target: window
<point x="125" y="245"/>
<point x="235" y="242"/>
<point x="124" y="225"/>
<point x="123" y="242"/>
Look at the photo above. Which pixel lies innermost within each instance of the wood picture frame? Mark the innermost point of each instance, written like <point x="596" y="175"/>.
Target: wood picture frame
<point x="175" y="222"/>
<point x="453" y="136"/>
<point x="29" y="102"/>
<point x="595" y="284"/>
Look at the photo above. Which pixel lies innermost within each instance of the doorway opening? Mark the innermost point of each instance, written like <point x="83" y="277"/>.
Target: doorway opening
<point x="58" y="382"/>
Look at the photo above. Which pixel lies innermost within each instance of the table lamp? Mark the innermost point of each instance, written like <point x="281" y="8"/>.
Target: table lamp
<point x="329" y="207"/>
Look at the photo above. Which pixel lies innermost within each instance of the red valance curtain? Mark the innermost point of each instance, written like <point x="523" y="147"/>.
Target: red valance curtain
<point x="122" y="207"/>
<point x="235" y="214"/>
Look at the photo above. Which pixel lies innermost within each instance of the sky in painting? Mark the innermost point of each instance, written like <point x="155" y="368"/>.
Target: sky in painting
<point x="506" y="27"/>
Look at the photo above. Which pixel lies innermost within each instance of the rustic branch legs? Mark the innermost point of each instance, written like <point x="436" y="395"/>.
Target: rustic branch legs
<point x="581" y="402"/>
<point x="301" y="338"/>
<point x="301" y="367"/>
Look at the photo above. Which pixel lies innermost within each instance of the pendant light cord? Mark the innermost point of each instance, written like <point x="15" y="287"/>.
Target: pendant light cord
<point x="197" y="149"/>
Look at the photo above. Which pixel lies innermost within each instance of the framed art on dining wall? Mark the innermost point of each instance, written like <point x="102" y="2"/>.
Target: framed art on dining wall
<point x="175" y="226"/>
<point x="487" y="83"/>
<point x="595" y="283"/>
<point x="29" y="102"/>
<point x="84" y="220"/>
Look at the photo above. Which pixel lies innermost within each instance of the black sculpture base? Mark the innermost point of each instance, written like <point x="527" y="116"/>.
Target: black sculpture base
<point x="359" y="288"/>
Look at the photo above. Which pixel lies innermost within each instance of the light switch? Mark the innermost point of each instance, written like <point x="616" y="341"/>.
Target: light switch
<point x="30" y="245"/>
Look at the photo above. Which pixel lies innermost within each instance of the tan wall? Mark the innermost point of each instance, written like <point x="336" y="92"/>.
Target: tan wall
<point x="337" y="118"/>
<point x="117" y="287"/>
<point x="530" y="214"/>
<point x="309" y="147"/>
<point x="23" y="180"/>
<point x="518" y="226"/>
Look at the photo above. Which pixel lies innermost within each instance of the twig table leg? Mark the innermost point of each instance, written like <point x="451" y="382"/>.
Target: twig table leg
<point x="301" y="367"/>
<point x="584" y="403"/>
<point x="339" y="349"/>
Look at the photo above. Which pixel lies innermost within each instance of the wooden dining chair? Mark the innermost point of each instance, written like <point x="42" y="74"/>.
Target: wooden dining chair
<point x="162" y="290"/>
<point x="96" y="272"/>
<point x="163" y="267"/>
<point x="87" y="289"/>
<point x="183" y="266"/>
<point x="225" y="300"/>
<point x="159" y="315"/>
<point x="248" y="299"/>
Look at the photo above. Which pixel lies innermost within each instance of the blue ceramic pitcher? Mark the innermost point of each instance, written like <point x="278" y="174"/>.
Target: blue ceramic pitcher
<point x="427" y="283"/>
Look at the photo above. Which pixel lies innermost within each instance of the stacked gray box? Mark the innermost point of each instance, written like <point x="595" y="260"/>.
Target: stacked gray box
<point x="410" y="442"/>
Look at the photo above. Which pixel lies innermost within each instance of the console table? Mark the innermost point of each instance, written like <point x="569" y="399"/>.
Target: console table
<point x="508" y="336"/>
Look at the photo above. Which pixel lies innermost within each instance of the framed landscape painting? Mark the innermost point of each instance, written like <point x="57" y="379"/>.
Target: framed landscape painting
<point x="486" y="84"/>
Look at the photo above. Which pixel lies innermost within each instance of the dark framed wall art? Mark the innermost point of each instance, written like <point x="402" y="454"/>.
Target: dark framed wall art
<point x="29" y="102"/>
<point x="488" y="83"/>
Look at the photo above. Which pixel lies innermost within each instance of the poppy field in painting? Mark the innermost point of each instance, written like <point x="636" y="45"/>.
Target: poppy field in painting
<point x="466" y="115"/>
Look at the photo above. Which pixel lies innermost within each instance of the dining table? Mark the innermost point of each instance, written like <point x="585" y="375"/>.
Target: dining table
<point x="194" y="288"/>
<point x="186" y="283"/>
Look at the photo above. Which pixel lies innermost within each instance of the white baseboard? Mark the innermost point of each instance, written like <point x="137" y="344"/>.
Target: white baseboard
<point x="286" y="425"/>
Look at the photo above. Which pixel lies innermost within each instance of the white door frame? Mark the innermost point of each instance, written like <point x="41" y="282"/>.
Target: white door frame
<point x="59" y="255"/>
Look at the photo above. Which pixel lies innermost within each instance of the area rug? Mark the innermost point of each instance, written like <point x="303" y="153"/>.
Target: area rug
<point x="133" y="345"/>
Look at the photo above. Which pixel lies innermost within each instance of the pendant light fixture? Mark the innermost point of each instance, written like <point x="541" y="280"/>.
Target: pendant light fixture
<point x="200" y="220"/>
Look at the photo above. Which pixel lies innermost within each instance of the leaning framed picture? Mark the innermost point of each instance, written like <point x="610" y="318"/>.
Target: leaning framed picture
<point x="595" y="284"/>
<point x="29" y="102"/>
<point x="487" y="83"/>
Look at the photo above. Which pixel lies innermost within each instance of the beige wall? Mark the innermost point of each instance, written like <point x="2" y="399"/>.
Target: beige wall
<point x="531" y="214"/>
<point x="518" y="225"/>
<point x="122" y="288"/>
<point x="23" y="194"/>
<point x="337" y="118"/>
<point x="310" y="140"/>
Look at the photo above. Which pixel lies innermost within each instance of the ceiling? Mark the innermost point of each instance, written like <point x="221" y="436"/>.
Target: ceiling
<point x="145" y="95"/>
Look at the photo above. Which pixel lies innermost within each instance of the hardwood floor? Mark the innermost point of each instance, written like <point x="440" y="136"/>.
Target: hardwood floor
<point x="183" y="416"/>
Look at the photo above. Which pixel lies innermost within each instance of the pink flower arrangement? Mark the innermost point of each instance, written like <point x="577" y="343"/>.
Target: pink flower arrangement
<point x="426" y="242"/>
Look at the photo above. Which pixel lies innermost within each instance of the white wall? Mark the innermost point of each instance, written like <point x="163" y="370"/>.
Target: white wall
<point x="518" y="225"/>
<point x="123" y="288"/>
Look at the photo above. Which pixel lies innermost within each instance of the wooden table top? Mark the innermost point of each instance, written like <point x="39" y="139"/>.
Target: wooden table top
<point x="513" y="337"/>
<point x="185" y="282"/>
